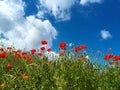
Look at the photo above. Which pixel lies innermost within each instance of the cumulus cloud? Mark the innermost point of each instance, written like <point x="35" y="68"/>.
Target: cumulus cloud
<point x="25" y="32"/>
<point x="28" y="31"/>
<point x="105" y="34"/>
<point x="60" y="9"/>
<point x="85" y="2"/>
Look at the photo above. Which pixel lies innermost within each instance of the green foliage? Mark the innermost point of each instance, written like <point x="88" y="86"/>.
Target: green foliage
<point x="64" y="75"/>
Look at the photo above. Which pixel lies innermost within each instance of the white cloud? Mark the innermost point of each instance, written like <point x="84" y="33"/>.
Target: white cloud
<point x="105" y="34"/>
<point x="85" y="2"/>
<point x="25" y="32"/>
<point x="40" y="14"/>
<point x="10" y="13"/>
<point x="60" y="9"/>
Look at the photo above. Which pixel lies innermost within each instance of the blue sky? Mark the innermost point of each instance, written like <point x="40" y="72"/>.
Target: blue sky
<point x="95" y="23"/>
<point x="85" y="29"/>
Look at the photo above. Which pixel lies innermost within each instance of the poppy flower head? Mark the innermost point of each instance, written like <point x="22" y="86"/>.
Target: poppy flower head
<point x="40" y="54"/>
<point x="49" y="49"/>
<point x="25" y="76"/>
<point x="1" y="49"/>
<point x="111" y="63"/>
<point x="76" y="49"/>
<point x="83" y="47"/>
<point x="62" y="45"/>
<point x="33" y="51"/>
<point x="24" y="53"/>
<point x="17" y="55"/>
<point x="3" y="85"/>
<point x="108" y="56"/>
<point x="9" y="66"/>
<point x="19" y="51"/>
<point x="42" y="48"/>
<point x="9" y="48"/>
<point x="29" y="58"/>
<point x="115" y="58"/>
<point x="43" y="42"/>
<point x="3" y="54"/>
<point x="61" y="54"/>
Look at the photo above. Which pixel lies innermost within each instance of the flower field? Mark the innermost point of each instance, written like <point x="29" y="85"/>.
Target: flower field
<point x="33" y="70"/>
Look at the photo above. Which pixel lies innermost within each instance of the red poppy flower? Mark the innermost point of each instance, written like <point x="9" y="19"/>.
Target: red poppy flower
<point x="9" y="66"/>
<point x="108" y="56"/>
<point x="3" y="54"/>
<point x="40" y="54"/>
<point x="42" y="48"/>
<point x="29" y="58"/>
<point x="82" y="47"/>
<point x="1" y="49"/>
<point x="9" y="48"/>
<point x="24" y="56"/>
<point x="33" y="51"/>
<point x="76" y="49"/>
<point x="116" y="58"/>
<point x="61" y="54"/>
<point x="17" y="56"/>
<point x="16" y="52"/>
<point x="49" y="49"/>
<point x="25" y="76"/>
<point x="111" y="63"/>
<point x="3" y="85"/>
<point x="62" y="45"/>
<point x="44" y="42"/>
<point x="24" y="53"/>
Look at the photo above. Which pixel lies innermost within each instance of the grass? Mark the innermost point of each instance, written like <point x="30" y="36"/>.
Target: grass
<point x="75" y="73"/>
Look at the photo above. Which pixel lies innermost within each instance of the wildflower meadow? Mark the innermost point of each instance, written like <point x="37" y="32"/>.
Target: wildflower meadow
<point x="70" y="69"/>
